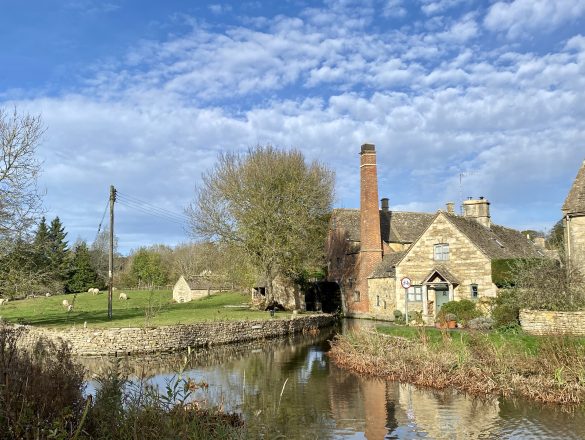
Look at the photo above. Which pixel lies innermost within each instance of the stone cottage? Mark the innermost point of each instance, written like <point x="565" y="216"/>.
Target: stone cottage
<point x="446" y="256"/>
<point x="574" y="221"/>
<point x="195" y="288"/>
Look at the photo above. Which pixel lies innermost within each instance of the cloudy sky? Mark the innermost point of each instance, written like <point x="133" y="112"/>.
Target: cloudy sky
<point x="461" y="97"/>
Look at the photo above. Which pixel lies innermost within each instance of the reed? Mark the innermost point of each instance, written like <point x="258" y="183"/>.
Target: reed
<point x="544" y="369"/>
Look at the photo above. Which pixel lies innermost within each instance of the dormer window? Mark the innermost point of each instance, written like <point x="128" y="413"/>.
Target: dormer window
<point x="441" y="252"/>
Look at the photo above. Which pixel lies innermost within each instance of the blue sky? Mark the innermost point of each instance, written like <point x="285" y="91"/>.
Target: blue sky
<point x="144" y="95"/>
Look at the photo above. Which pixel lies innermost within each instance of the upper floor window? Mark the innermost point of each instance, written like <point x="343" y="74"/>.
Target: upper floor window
<point x="356" y="296"/>
<point x="474" y="291"/>
<point x="415" y="293"/>
<point x="441" y="252"/>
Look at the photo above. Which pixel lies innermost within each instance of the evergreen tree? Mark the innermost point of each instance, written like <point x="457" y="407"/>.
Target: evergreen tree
<point x="41" y="247"/>
<point x="59" y="262"/>
<point x="83" y="274"/>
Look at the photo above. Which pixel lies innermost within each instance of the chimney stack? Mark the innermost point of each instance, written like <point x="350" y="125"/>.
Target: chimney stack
<point x="450" y="207"/>
<point x="370" y="236"/>
<point x="478" y="209"/>
<point x="385" y="204"/>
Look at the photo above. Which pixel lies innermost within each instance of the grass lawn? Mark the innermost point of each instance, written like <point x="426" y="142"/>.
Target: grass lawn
<point x="517" y="341"/>
<point x="143" y="308"/>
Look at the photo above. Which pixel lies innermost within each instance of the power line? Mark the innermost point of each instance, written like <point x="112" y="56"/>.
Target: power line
<point x="143" y="210"/>
<point x="101" y="221"/>
<point x="152" y="208"/>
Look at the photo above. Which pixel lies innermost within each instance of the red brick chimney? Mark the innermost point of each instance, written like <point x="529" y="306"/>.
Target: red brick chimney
<point x="371" y="240"/>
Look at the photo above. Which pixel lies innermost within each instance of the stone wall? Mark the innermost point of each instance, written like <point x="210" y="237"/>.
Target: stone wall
<point x="540" y="322"/>
<point x="382" y="293"/>
<point x="172" y="338"/>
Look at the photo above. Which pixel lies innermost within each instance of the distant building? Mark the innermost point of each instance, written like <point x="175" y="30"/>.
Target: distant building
<point x="574" y="221"/>
<point x="196" y="287"/>
<point x="446" y="256"/>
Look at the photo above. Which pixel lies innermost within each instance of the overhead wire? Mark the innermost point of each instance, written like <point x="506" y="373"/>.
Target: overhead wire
<point x="101" y="221"/>
<point x="150" y="209"/>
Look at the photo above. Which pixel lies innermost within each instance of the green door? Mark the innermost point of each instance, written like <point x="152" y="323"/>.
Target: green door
<point x="441" y="296"/>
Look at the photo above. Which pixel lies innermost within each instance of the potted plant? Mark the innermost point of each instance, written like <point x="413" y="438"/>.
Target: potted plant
<point x="451" y="320"/>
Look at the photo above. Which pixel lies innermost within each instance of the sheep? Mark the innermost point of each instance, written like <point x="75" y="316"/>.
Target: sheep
<point x="94" y="291"/>
<point x="65" y="303"/>
<point x="123" y="296"/>
<point x="3" y="301"/>
<point x="48" y="294"/>
<point x="70" y="307"/>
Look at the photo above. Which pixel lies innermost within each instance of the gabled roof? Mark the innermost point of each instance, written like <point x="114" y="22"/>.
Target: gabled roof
<point x="575" y="201"/>
<point x="387" y="267"/>
<point x="395" y="226"/>
<point x="444" y="273"/>
<point x="497" y="241"/>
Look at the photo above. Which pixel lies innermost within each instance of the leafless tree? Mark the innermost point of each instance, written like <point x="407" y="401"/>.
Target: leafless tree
<point x="270" y="204"/>
<point x="20" y="201"/>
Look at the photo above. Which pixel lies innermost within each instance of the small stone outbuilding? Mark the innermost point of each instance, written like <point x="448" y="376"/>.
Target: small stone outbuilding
<point x="195" y="288"/>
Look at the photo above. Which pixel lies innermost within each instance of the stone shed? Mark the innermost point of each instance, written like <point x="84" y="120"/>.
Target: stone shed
<point x="197" y="287"/>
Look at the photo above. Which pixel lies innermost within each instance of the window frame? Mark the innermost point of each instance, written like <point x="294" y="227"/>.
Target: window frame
<point x="415" y="291"/>
<point x="441" y="252"/>
<point x="474" y="287"/>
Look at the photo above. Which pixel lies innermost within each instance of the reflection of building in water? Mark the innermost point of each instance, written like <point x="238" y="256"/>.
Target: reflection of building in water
<point x="391" y="410"/>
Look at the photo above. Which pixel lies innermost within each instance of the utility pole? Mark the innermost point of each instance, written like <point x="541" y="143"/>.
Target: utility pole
<point x="111" y="259"/>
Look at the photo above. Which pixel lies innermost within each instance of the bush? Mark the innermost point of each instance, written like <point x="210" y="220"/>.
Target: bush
<point x="482" y="323"/>
<point x="40" y="389"/>
<point x="41" y="397"/>
<point x="506" y="312"/>
<point x="464" y="311"/>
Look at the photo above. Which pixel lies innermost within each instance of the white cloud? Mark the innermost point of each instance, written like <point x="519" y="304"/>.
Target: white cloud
<point x="520" y="17"/>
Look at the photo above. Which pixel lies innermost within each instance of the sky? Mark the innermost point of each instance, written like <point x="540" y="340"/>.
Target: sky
<point x="461" y="98"/>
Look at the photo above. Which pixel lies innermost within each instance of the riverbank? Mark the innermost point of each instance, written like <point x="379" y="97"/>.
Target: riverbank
<point x="544" y="369"/>
<point x="141" y="340"/>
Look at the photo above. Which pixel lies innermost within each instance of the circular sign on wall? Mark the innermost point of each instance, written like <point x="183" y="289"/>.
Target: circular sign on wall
<point x="406" y="283"/>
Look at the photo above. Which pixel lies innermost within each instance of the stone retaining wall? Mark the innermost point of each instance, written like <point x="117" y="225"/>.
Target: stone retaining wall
<point x="117" y="341"/>
<point x="540" y="322"/>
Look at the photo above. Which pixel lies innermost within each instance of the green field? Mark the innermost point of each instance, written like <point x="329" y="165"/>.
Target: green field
<point x="142" y="309"/>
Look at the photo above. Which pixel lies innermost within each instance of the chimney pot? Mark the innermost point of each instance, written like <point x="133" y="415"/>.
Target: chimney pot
<point x="385" y="204"/>
<point x="368" y="148"/>
<point x="451" y="208"/>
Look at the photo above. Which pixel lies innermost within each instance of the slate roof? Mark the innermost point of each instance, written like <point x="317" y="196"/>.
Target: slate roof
<point x="387" y="267"/>
<point x="204" y="283"/>
<point x="498" y="241"/>
<point x="575" y="201"/>
<point x="395" y="226"/>
<point x="443" y="273"/>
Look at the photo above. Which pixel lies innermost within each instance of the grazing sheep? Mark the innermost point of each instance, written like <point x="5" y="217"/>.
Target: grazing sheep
<point x="90" y="290"/>
<point x="65" y="303"/>
<point x="48" y="294"/>
<point x="94" y="291"/>
<point x="123" y="296"/>
<point x="3" y="300"/>
<point x="70" y="307"/>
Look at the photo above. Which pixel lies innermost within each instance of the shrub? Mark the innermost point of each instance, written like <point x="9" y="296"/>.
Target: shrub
<point x="483" y="323"/>
<point x="464" y="311"/>
<point x="506" y="312"/>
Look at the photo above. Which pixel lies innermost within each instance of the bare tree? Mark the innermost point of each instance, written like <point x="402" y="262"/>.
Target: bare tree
<point x="270" y="204"/>
<point x="20" y="201"/>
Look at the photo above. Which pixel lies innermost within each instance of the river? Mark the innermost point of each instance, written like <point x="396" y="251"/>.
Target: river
<point x="289" y="389"/>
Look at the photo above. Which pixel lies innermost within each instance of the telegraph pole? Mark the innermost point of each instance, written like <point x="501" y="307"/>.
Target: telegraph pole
<point x="111" y="259"/>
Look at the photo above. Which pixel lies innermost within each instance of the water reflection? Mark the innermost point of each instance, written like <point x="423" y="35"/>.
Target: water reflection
<point x="287" y="388"/>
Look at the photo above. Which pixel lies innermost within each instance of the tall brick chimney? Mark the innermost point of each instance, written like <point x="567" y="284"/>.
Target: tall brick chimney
<point x="370" y="237"/>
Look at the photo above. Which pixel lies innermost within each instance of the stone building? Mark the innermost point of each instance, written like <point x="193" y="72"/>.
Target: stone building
<point x="446" y="256"/>
<point x="195" y="288"/>
<point x="574" y="222"/>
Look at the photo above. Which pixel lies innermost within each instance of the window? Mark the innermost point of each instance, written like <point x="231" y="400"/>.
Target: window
<point x="441" y="252"/>
<point x="377" y="300"/>
<point x="415" y="293"/>
<point x="356" y="296"/>
<point x="384" y="304"/>
<point x="474" y="291"/>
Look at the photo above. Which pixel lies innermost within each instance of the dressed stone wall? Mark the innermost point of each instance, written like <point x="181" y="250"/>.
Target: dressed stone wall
<point x="540" y="322"/>
<point x="171" y="338"/>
